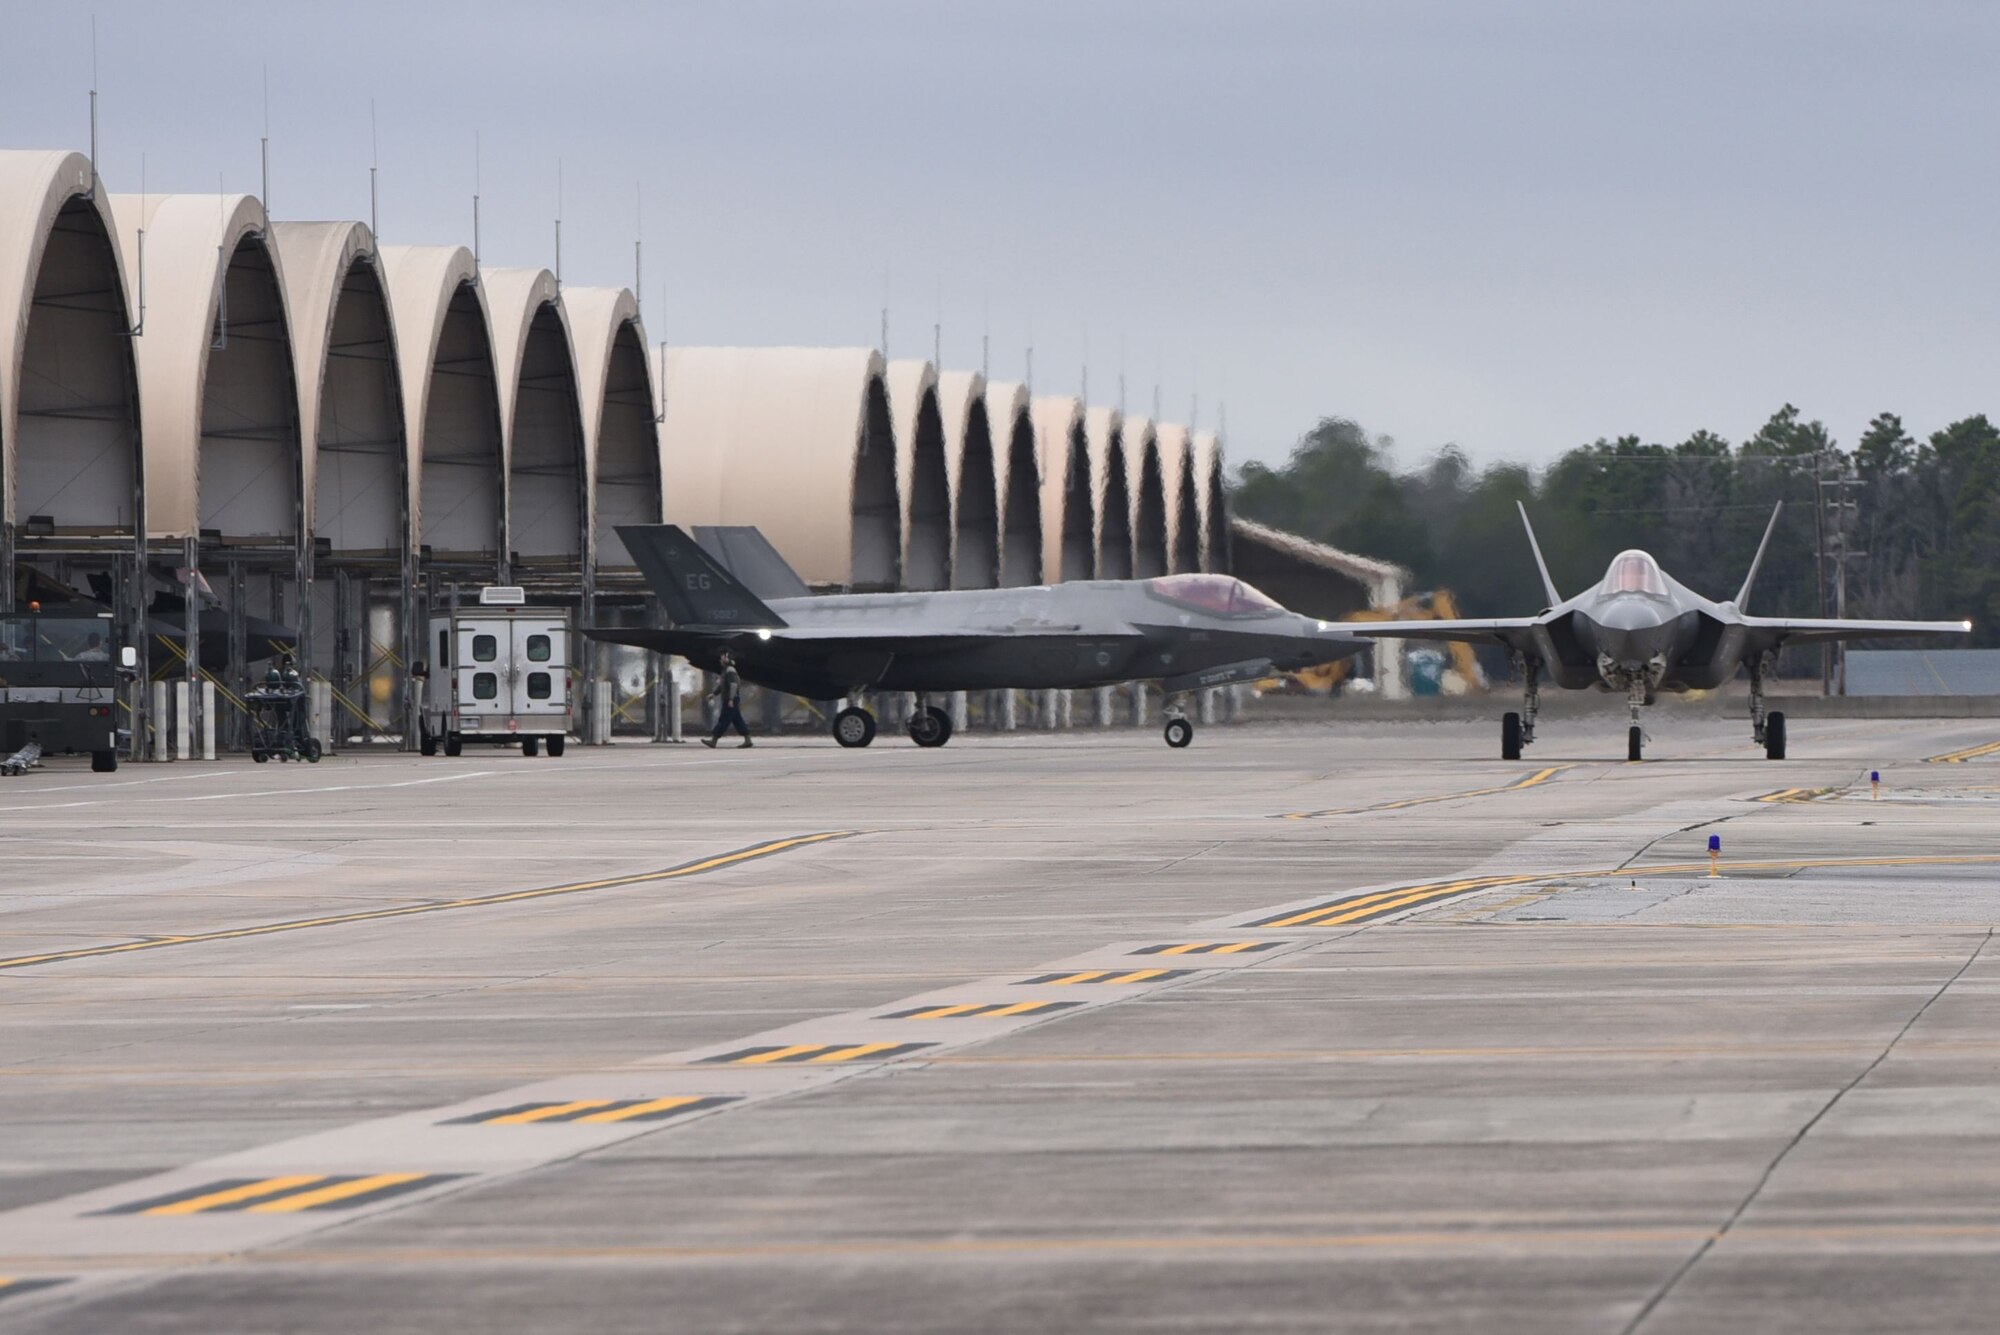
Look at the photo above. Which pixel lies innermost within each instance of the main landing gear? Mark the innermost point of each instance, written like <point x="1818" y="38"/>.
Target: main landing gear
<point x="1518" y="730"/>
<point x="854" y="726"/>
<point x="929" y="725"/>
<point x="1767" y="728"/>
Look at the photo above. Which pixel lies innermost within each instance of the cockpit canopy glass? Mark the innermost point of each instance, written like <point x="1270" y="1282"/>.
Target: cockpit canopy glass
<point x="1217" y="595"/>
<point x="1635" y="572"/>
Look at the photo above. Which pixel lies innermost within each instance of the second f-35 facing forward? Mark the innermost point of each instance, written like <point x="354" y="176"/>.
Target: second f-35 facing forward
<point x="1186" y="631"/>
<point x="1641" y="632"/>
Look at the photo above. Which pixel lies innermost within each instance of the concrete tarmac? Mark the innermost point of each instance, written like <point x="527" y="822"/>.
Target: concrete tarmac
<point x="1311" y="1027"/>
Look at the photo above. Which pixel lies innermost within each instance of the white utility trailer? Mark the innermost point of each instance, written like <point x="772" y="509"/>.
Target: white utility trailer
<point x="500" y="676"/>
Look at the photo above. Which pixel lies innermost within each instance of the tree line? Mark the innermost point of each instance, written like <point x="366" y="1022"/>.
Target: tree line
<point x="1920" y="518"/>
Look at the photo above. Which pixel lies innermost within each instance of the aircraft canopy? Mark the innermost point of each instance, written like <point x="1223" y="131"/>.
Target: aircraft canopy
<point x="1218" y="595"/>
<point x="1635" y="571"/>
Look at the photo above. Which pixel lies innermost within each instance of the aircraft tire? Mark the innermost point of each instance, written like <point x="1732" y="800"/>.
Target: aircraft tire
<point x="103" y="762"/>
<point x="1179" y="732"/>
<point x="556" y="744"/>
<point x="854" y="726"/>
<point x="1635" y="743"/>
<point x="531" y="746"/>
<point x="1774" y="737"/>
<point x="1510" y="736"/>
<point x="453" y="744"/>
<point x="932" y="727"/>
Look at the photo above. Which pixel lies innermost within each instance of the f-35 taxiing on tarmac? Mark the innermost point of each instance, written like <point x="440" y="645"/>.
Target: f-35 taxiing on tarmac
<point x="1189" y="632"/>
<point x="1641" y="632"/>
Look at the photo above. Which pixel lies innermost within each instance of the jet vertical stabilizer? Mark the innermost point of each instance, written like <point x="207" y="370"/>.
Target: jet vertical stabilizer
<point x="1548" y="585"/>
<point x="1757" y="561"/>
<point x="692" y="585"/>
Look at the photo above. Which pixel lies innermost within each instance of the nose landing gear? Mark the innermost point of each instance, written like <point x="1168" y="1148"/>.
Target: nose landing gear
<point x="1179" y="731"/>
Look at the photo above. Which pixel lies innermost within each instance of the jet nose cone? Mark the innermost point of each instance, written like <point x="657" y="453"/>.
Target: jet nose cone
<point x="1631" y="613"/>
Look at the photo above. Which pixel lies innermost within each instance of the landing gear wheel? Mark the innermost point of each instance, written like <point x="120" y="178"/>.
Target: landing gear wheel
<point x="1179" y="732"/>
<point x="103" y="762"/>
<point x="854" y="726"/>
<point x="260" y="757"/>
<point x="930" y="726"/>
<point x="453" y="744"/>
<point x="556" y="744"/>
<point x="313" y="751"/>
<point x="531" y="746"/>
<point x="1635" y="742"/>
<point x="1510" y="736"/>
<point x="427" y="742"/>
<point x="1774" y="736"/>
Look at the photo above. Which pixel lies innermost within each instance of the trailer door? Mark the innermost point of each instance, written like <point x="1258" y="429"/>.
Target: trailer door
<point x="482" y="668"/>
<point x="541" y="672"/>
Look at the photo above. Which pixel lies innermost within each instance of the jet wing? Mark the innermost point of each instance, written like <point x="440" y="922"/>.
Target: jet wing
<point x="1806" y="630"/>
<point x="1500" y="630"/>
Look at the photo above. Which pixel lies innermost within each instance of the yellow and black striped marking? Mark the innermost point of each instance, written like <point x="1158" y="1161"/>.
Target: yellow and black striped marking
<point x="1108" y="976"/>
<point x="1787" y="795"/>
<point x="1208" y="948"/>
<point x="285" y="1195"/>
<point x="592" y="1112"/>
<point x="1960" y="757"/>
<point x="976" y="1010"/>
<point x="817" y="1053"/>
<point x="1539" y="777"/>
<point x="1361" y="908"/>
<point x="695" y="868"/>
<point x="11" y="1287"/>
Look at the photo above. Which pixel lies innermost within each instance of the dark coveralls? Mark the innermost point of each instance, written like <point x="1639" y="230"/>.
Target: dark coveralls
<point x="729" y="694"/>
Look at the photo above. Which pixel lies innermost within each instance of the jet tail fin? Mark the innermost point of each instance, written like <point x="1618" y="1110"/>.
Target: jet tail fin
<point x="746" y="553"/>
<point x="1548" y="585"/>
<point x="692" y="586"/>
<point x="1757" y="561"/>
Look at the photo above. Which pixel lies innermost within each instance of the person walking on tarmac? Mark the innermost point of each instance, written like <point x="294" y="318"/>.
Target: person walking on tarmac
<point x="728" y="694"/>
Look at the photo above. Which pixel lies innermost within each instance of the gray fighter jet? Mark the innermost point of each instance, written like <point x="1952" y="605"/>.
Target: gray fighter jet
<point x="1187" y="631"/>
<point x="1641" y="632"/>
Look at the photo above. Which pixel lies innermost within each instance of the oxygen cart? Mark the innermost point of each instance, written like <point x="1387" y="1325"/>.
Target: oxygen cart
<point x="280" y="723"/>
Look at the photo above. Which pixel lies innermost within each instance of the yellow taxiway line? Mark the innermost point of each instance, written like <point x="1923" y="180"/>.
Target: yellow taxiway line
<point x="1527" y="781"/>
<point x="696" y="868"/>
<point x="1960" y="757"/>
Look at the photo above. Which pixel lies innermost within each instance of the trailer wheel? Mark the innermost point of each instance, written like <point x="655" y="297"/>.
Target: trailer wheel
<point x="556" y="744"/>
<point x="313" y="751"/>
<point x="427" y="742"/>
<point x="261" y="757"/>
<point x="531" y="746"/>
<point x="103" y="762"/>
<point x="453" y="744"/>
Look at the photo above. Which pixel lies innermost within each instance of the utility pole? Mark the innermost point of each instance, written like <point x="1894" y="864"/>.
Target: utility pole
<point x="1819" y="566"/>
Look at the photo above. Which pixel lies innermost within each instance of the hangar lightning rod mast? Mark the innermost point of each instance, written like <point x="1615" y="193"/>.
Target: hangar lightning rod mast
<point x="264" y="149"/>
<point x="374" y="160"/>
<point x="638" y="239"/>
<point x="475" y="199"/>
<point x="93" y="108"/>
<point x="558" y="222"/>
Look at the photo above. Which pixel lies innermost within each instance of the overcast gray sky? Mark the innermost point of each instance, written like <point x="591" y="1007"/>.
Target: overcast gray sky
<point x="1515" y="226"/>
